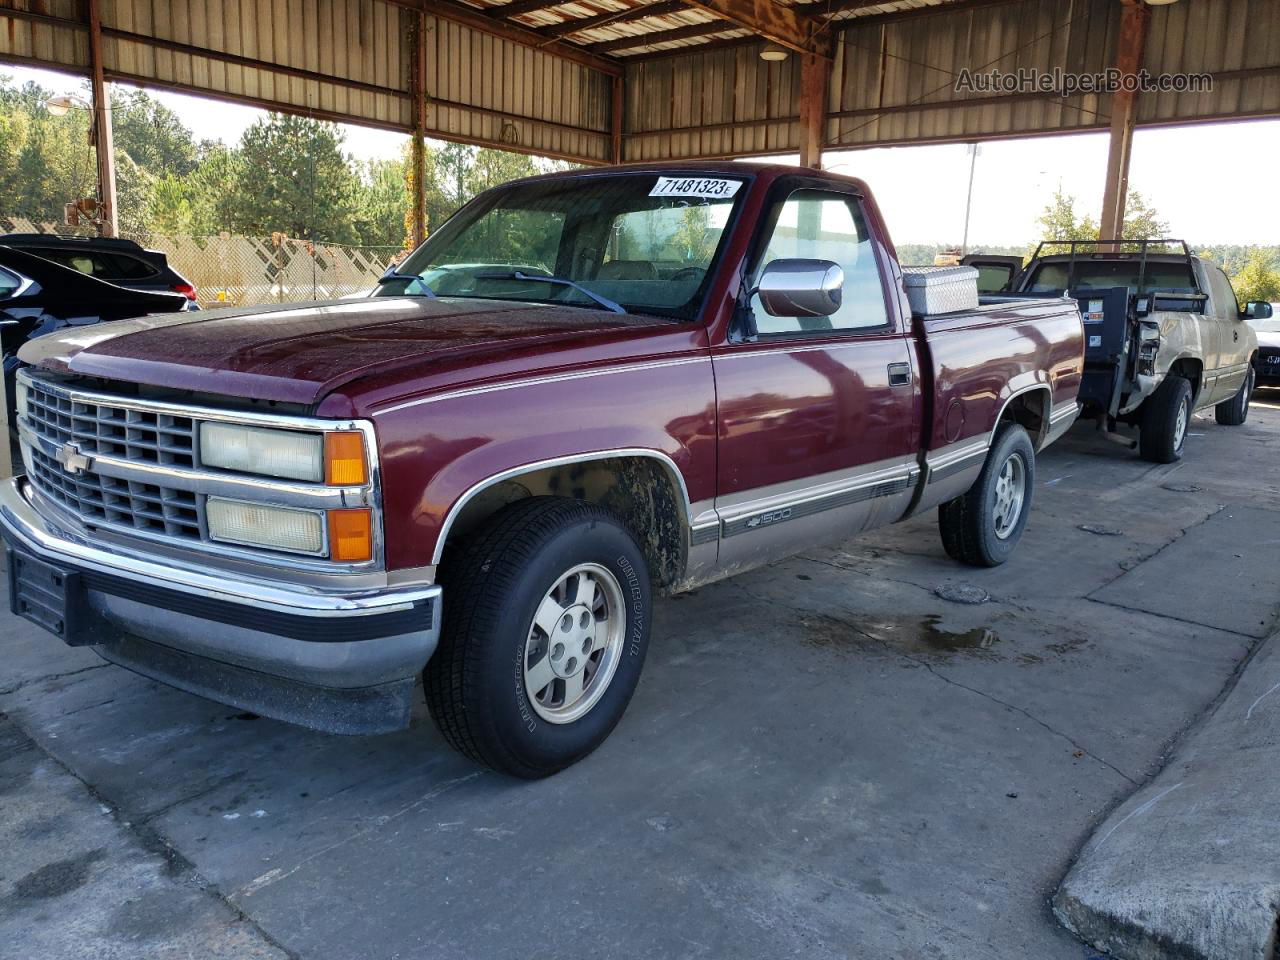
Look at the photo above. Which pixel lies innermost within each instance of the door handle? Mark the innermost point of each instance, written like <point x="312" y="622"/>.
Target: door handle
<point x="899" y="374"/>
<point x="1235" y="335"/>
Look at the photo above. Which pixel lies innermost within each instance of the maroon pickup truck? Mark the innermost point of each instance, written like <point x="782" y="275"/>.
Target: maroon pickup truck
<point x="582" y="390"/>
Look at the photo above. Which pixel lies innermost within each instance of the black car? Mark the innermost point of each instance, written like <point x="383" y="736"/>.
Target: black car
<point x="1266" y="362"/>
<point x="38" y="296"/>
<point x="122" y="262"/>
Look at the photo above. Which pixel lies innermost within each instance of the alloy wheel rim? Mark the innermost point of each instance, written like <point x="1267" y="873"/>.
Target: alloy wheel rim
<point x="1180" y="428"/>
<point x="1010" y="494"/>
<point x="574" y="644"/>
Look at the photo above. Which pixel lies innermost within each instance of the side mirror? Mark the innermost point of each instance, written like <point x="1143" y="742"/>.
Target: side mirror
<point x="801" y="288"/>
<point x="1258" y="310"/>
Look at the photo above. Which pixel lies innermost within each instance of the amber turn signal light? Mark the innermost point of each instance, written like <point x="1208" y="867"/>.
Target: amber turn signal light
<point x="344" y="459"/>
<point x="350" y="536"/>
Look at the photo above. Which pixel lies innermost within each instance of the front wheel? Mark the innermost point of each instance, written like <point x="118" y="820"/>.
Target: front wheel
<point x="1166" y="415"/>
<point x="545" y="630"/>
<point x="1234" y="412"/>
<point x="982" y="527"/>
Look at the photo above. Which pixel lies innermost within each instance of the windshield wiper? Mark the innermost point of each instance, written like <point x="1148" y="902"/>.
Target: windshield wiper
<point x="393" y="274"/>
<point x="517" y="275"/>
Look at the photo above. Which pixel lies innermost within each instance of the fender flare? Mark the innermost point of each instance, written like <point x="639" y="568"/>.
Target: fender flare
<point x="669" y="467"/>
<point x="1022" y="392"/>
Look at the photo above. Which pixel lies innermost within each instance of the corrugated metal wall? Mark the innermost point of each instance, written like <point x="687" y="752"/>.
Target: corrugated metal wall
<point x="44" y="43"/>
<point x="719" y="103"/>
<point x="893" y="81"/>
<point x="503" y="85"/>
<point x="1236" y="40"/>
<point x="893" y="78"/>
<point x="350" y="39"/>
<point x="896" y="81"/>
<point x="339" y="59"/>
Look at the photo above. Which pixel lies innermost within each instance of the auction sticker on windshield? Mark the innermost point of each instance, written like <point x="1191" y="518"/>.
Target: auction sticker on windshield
<point x="694" y="187"/>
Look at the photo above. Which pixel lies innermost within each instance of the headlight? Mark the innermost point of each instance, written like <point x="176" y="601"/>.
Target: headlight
<point x="273" y="453"/>
<point x="259" y="525"/>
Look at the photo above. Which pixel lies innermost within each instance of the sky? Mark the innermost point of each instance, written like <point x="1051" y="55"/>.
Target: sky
<point x="1213" y="183"/>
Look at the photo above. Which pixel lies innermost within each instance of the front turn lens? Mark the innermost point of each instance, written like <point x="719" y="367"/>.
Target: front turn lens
<point x="350" y="536"/>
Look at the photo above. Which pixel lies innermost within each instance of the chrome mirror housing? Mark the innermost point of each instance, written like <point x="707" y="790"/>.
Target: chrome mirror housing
<point x="801" y="288"/>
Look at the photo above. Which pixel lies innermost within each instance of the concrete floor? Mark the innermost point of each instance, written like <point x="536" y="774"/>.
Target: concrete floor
<point x="825" y="758"/>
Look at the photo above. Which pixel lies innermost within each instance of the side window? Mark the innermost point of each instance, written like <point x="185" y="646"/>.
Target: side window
<point x="826" y="226"/>
<point x="9" y="283"/>
<point x="1225" y="303"/>
<point x="993" y="277"/>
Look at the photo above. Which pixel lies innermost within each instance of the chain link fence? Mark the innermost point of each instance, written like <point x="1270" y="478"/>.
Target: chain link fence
<point x="235" y="271"/>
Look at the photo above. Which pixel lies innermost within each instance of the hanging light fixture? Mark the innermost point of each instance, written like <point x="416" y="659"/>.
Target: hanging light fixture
<point x="60" y="106"/>
<point x="774" y="53"/>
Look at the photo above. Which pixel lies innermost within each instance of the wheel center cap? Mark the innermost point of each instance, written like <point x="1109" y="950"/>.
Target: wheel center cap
<point x="571" y="642"/>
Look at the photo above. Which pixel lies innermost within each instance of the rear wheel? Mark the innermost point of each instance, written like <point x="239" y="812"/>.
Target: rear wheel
<point x="1233" y="412"/>
<point x="982" y="527"/>
<point x="545" y="630"/>
<point x="1166" y="416"/>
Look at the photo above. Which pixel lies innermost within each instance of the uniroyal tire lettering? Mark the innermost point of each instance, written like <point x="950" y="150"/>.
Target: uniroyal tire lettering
<point x="636" y="592"/>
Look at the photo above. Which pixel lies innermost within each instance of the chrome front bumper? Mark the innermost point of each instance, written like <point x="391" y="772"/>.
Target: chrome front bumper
<point x="338" y="660"/>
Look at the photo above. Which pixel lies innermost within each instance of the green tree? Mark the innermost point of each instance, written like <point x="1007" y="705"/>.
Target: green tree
<point x="134" y="186"/>
<point x="1258" y="279"/>
<point x="292" y="177"/>
<point x="383" y="202"/>
<point x="1141" y="221"/>
<point x="491" y="168"/>
<point x="152" y="135"/>
<point x="1059" y="220"/>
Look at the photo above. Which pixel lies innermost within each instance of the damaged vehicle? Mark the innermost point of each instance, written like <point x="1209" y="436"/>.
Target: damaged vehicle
<point x="636" y="381"/>
<point x="1165" y="336"/>
<point x="38" y="296"/>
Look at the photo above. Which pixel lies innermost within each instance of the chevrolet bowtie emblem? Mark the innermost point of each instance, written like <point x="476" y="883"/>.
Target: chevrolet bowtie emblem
<point x="72" y="460"/>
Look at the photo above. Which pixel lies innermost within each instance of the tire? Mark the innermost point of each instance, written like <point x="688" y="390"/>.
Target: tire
<point x="1234" y="412"/>
<point x="982" y="527"/>
<point x="1165" y="421"/>
<point x="519" y="563"/>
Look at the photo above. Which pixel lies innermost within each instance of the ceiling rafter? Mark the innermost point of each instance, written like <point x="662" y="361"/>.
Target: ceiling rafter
<point x="689" y="32"/>
<point x="773" y="21"/>
<point x="610" y="17"/>
<point x="479" y="20"/>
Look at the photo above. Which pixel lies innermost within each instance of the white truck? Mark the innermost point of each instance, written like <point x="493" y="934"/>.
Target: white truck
<point x="1164" y="335"/>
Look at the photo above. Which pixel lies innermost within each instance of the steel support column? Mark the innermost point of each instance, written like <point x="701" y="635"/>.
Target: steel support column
<point x="1135" y="20"/>
<point x="418" y="105"/>
<point x="103" y="140"/>
<point x="815" y="75"/>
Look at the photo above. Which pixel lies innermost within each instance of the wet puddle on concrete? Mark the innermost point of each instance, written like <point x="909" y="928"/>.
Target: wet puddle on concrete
<point x="917" y="635"/>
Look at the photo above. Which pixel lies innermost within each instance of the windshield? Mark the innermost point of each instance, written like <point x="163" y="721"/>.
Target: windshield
<point x="1053" y="276"/>
<point x="643" y="241"/>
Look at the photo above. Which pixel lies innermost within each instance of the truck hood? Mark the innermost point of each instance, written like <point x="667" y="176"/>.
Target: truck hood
<point x="300" y="353"/>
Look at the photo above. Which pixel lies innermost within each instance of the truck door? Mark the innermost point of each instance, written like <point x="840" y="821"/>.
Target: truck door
<point x="818" y="417"/>
<point x="1222" y="325"/>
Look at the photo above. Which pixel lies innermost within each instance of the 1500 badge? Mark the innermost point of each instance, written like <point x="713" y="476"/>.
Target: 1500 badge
<point x="764" y="519"/>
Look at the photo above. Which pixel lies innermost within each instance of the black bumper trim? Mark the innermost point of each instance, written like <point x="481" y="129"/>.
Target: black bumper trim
<point x="317" y="629"/>
<point x="295" y="626"/>
<point x="383" y="708"/>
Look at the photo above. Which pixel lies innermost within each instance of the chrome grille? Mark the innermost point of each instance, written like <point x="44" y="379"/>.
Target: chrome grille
<point x="109" y="430"/>
<point x="97" y="498"/>
<point x="131" y="464"/>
